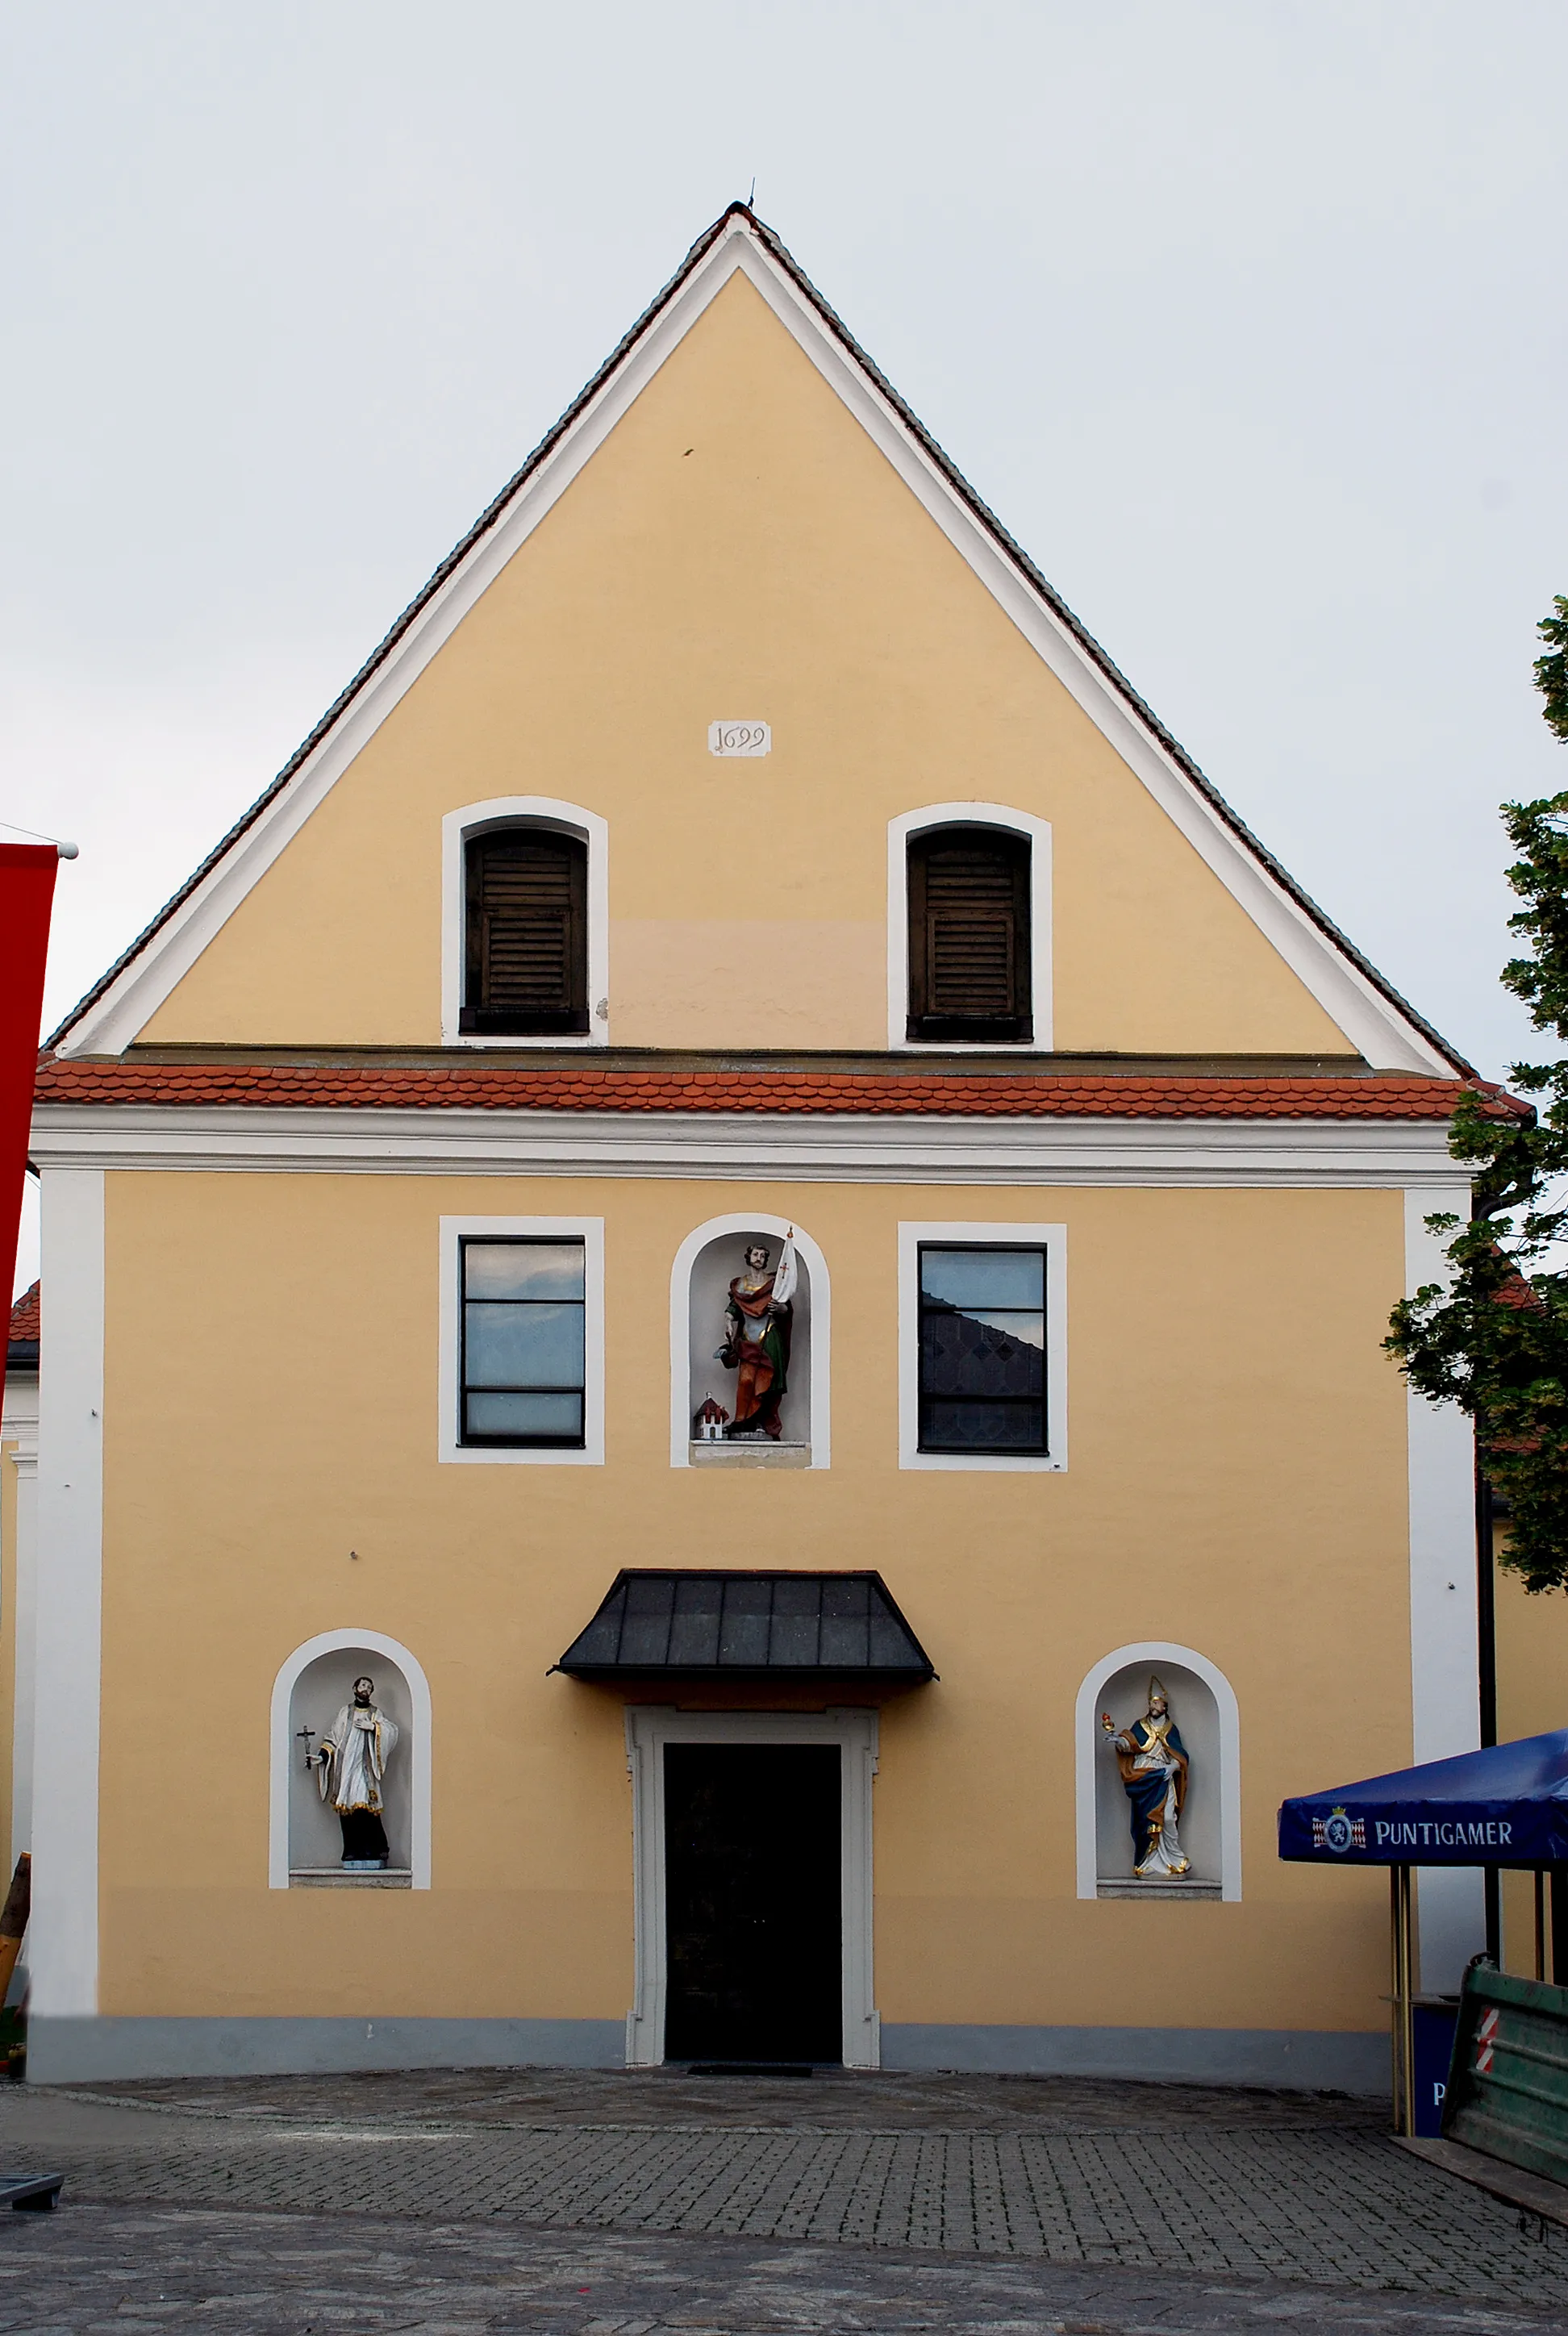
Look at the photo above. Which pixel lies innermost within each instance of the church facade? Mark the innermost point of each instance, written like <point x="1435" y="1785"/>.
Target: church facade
<point x="770" y="1230"/>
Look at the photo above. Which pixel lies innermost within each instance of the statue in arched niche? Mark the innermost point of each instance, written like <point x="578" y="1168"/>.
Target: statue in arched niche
<point x="759" y="1318"/>
<point x="350" y="1765"/>
<point x="1155" y="1767"/>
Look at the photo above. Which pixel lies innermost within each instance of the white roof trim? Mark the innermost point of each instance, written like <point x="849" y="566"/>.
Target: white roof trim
<point x="1388" y="1037"/>
<point x="749" y="1147"/>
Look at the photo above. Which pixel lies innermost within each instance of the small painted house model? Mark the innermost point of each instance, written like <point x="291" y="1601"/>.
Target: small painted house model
<point x="737" y="837"/>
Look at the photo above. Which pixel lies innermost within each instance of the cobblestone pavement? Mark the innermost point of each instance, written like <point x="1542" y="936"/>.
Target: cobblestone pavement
<point x="828" y="2101"/>
<point x="88" y="2270"/>
<point x="1096" y="2207"/>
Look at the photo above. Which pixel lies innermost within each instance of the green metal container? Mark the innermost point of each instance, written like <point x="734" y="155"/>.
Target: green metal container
<point x="1508" y="2080"/>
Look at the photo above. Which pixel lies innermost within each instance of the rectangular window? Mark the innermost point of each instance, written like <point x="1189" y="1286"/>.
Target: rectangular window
<point x="982" y="1349"/>
<point x="526" y="971"/>
<point x="523" y="1342"/>
<point x="968" y="937"/>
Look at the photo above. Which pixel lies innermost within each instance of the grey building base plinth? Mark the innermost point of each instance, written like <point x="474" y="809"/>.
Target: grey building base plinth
<point x="1301" y="2059"/>
<point x="82" y="2051"/>
<point x="86" y="2051"/>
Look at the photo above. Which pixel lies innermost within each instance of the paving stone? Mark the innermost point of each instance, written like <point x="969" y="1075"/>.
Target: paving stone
<point x="1261" y="2206"/>
<point x="833" y="2099"/>
<point x="173" y="2272"/>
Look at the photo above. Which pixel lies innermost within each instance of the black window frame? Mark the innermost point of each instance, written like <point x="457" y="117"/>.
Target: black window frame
<point x="925" y="1026"/>
<point x="477" y="1017"/>
<point x="471" y="1442"/>
<point x="1042" y="1451"/>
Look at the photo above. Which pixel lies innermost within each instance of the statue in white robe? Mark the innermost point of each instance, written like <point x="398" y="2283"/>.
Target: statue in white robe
<point x="350" y="1765"/>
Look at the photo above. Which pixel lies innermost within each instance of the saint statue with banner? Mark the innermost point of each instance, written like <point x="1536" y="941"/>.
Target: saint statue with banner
<point x="1153" y="1760"/>
<point x="759" y="1316"/>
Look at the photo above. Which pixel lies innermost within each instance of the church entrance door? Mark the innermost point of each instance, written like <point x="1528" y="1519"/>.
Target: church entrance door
<point x="754" y="1921"/>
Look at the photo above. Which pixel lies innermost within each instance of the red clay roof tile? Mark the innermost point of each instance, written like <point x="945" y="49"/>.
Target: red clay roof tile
<point x="915" y="1092"/>
<point x="24" y="1318"/>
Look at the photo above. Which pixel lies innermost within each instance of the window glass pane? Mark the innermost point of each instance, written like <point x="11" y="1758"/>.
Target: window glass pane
<point x="966" y="1354"/>
<point x="523" y="1346"/>
<point x="982" y="1427"/>
<point x="558" y="1417"/>
<point x="984" y="1279"/>
<point x="523" y="1268"/>
<point x="1030" y="1328"/>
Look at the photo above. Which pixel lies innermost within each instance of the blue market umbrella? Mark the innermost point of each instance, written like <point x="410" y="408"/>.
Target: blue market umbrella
<point x="1506" y="1804"/>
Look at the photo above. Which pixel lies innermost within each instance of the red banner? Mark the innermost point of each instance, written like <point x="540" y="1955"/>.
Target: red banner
<point x="27" y="872"/>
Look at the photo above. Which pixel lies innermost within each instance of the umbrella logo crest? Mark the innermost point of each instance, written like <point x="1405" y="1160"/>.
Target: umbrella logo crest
<point x="1339" y="1832"/>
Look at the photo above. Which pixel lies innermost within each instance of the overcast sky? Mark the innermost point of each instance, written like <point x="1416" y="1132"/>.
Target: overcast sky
<point x="1247" y="318"/>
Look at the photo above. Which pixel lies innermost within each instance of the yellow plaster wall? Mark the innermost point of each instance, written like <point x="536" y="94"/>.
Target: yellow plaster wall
<point x="1226" y="1386"/>
<point x="1531" y="1697"/>
<point x="738" y="547"/>
<point x="1532" y="1657"/>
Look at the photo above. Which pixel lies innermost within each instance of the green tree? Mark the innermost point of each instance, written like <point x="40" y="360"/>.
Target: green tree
<point x="1496" y="1339"/>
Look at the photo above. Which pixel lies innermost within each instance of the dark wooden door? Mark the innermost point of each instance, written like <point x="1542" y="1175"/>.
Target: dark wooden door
<point x="752" y="1902"/>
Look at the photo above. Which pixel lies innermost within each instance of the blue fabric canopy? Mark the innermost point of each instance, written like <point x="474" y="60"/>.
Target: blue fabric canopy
<point x="1506" y="1804"/>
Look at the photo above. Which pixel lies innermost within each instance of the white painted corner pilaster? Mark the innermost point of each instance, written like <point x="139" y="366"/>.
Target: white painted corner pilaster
<point x="23" y="1646"/>
<point x="1445" y="1681"/>
<point x="63" y="1945"/>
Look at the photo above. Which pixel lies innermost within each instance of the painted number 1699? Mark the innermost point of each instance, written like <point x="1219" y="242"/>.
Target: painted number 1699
<point x="739" y="738"/>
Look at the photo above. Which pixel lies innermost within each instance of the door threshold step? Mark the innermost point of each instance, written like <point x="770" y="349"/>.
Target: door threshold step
<point x="750" y="2068"/>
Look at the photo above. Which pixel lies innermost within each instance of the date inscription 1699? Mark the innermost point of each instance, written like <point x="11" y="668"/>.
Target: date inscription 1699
<point x="739" y="738"/>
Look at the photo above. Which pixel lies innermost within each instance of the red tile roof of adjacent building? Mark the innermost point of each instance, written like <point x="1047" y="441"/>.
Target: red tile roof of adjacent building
<point x="913" y="1091"/>
<point x="24" y="1318"/>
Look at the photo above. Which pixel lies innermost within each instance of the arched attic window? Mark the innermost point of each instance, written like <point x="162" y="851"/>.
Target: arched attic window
<point x="525" y="960"/>
<point x="968" y="936"/>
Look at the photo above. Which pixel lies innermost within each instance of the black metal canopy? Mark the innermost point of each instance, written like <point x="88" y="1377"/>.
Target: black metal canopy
<point x="801" y="1626"/>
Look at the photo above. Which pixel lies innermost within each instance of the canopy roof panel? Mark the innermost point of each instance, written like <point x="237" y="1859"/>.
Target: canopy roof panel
<point x="1506" y="1804"/>
<point x="723" y="1625"/>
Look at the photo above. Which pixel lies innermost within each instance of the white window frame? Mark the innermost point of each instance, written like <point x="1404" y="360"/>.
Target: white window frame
<point x="757" y="1221"/>
<point x="392" y="1650"/>
<point x="648" y="1729"/>
<point x="993" y="1233"/>
<point x="522" y="810"/>
<point x="1037" y="831"/>
<point x="590" y="1231"/>
<point x="1087" y="1738"/>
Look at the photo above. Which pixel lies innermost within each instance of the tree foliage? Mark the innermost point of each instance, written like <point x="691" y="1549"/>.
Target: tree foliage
<point x="1551" y="670"/>
<point x="1495" y="1340"/>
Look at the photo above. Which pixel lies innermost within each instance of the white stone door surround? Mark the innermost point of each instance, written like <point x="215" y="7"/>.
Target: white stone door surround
<point x="648" y="1729"/>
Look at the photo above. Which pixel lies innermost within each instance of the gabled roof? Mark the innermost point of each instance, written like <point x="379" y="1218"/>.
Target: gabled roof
<point x="1385" y="1029"/>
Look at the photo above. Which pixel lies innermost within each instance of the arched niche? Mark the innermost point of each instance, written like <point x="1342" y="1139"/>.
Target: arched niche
<point x="706" y="1262"/>
<point x="310" y="1689"/>
<point x="1203" y="1707"/>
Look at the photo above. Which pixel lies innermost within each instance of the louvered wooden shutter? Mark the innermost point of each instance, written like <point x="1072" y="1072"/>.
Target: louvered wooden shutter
<point x="968" y="908"/>
<point x="527" y="932"/>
